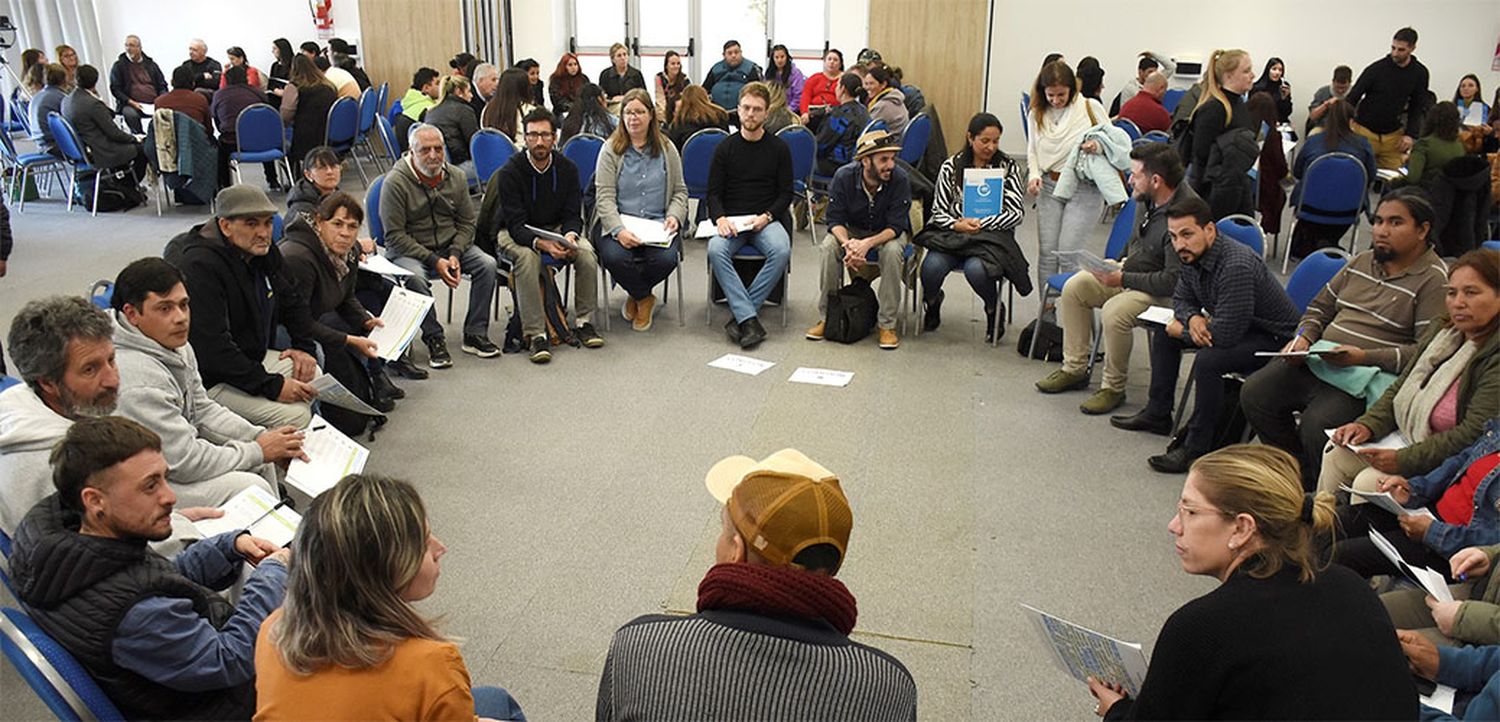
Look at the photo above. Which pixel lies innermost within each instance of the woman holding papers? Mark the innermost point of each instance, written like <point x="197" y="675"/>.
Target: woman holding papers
<point x="1279" y="638"/>
<point x="641" y="206"/>
<point x="982" y="244"/>
<point x="322" y="260"/>
<point x="1443" y="397"/>
<point x="1454" y="506"/>
<point x="347" y="644"/>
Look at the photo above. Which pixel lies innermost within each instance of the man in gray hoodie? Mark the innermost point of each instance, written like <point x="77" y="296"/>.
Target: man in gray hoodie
<point x="62" y="351"/>
<point x="211" y="452"/>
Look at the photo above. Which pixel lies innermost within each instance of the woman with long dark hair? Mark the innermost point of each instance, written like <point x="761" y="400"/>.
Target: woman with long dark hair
<point x="1469" y="97"/>
<point x="694" y="113"/>
<point x="1273" y="81"/>
<point x="348" y="642"/>
<point x="1438" y="146"/>
<point x="510" y="104"/>
<point x="978" y="245"/>
<point x="565" y="80"/>
<point x="534" y="78"/>
<point x="304" y="106"/>
<point x="1337" y="136"/>
<point x="590" y="115"/>
<point x="670" y="83"/>
<point x="780" y="70"/>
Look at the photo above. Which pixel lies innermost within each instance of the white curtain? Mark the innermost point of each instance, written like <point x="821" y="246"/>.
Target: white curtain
<point x="45" y="24"/>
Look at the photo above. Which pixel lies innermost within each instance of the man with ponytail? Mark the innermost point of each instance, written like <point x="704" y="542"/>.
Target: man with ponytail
<point x="1282" y="637"/>
<point x="771" y="636"/>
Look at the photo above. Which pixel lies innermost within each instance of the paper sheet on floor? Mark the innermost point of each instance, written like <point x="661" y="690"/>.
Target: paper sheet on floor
<point x="821" y="377"/>
<point x="651" y="233"/>
<point x="376" y="263"/>
<point x="1435" y="583"/>
<point x="402" y="315"/>
<point x="1084" y="653"/>
<point x="1384" y="500"/>
<point x="330" y="391"/>
<point x="741" y="364"/>
<point x="256" y="511"/>
<point x="331" y="456"/>
<point x="708" y="229"/>
<point x="1158" y="315"/>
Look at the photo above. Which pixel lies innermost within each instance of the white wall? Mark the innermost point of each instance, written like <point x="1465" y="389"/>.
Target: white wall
<point x="540" y="31"/>
<point x="166" y="26"/>
<point x="848" y="26"/>
<point x="1455" y="37"/>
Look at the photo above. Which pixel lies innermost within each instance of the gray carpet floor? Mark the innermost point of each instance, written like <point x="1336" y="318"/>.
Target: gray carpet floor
<point x="571" y="495"/>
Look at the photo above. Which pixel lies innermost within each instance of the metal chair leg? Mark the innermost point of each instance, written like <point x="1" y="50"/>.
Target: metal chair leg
<point x="604" y="289"/>
<point x="94" y="211"/>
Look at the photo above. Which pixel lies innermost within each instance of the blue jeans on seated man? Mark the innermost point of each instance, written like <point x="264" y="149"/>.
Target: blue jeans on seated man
<point x="496" y="703"/>
<point x="1208" y="385"/>
<point x="936" y="266"/>
<point x="480" y="267"/>
<point x="773" y="243"/>
<point x="639" y="269"/>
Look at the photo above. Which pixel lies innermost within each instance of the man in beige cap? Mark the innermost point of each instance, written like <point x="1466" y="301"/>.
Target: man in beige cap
<point x="773" y="625"/>
<point x="232" y="271"/>
<point x="868" y="222"/>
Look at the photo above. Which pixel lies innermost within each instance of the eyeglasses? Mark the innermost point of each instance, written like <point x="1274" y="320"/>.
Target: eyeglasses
<point x="636" y="113"/>
<point x="1185" y="512"/>
<point x="533" y="135"/>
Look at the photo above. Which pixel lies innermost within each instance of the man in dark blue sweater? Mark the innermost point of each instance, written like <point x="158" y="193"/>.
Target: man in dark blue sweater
<point x="749" y="192"/>
<point x="539" y="189"/>
<point x="1228" y="306"/>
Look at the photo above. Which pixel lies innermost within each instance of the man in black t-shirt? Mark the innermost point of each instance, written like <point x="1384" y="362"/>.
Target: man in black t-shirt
<point x="749" y="192"/>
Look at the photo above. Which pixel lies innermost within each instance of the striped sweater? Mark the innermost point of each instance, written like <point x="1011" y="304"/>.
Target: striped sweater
<point x="733" y="665"/>
<point x="1384" y="315"/>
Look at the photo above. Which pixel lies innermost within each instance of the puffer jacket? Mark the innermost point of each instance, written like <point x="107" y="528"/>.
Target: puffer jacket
<point x="1102" y="168"/>
<point x="1461" y="198"/>
<point x="1227" y="177"/>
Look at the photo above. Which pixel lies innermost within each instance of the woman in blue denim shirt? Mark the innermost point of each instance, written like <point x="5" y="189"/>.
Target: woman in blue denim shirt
<point x="1463" y="483"/>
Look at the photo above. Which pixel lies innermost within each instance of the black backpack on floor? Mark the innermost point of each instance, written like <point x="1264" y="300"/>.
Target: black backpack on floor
<point x="117" y="192"/>
<point x="852" y="312"/>
<point x="1049" y="346"/>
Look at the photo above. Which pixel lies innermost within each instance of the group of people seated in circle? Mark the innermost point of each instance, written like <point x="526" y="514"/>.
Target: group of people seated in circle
<point x="132" y="422"/>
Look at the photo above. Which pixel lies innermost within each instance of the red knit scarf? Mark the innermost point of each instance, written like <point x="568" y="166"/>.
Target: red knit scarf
<point x="778" y="590"/>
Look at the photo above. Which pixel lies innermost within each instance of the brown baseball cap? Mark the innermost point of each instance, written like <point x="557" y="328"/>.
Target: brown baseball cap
<point x="783" y="504"/>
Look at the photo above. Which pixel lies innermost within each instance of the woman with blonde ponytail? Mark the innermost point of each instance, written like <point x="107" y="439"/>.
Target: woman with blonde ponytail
<point x="1221" y="111"/>
<point x="1282" y="637"/>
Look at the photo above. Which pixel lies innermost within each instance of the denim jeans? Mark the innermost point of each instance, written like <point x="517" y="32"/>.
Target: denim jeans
<point x="1064" y="225"/>
<point x="496" y="703"/>
<point x="482" y="278"/>
<point x="773" y="243"/>
<point x="639" y="269"/>
<point x="936" y="266"/>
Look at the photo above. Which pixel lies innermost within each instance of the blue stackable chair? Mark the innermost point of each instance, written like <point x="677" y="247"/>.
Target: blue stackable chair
<point x="490" y="149"/>
<point x="393" y="112"/>
<point x="377" y="232"/>
<point x="583" y="149"/>
<point x="56" y="677"/>
<point x="5" y="383"/>
<point x="1114" y="249"/>
<point x="102" y="294"/>
<point x="1333" y="193"/>
<point x="1313" y="273"/>
<point x="381" y="96"/>
<point x="1130" y="128"/>
<point x="259" y="139"/>
<point x="1244" y="229"/>
<point x="5" y="546"/>
<point x="873" y="125"/>
<point x="369" y="107"/>
<point x="1156" y="136"/>
<point x="74" y="154"/>
<point x="342" y="130"/>
<point x="697" y="156"/>
<point x="804" y="148"/>
<point x="25" y="163"/>
<point x="914" y="140"/>
<point x="1171" y="99"/>
<point x="1025" y="113"/>
<point x="1492" y="245"/>
<point x="388" y="139"/>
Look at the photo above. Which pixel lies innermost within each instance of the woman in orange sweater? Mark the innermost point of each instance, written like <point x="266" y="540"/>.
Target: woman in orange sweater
<point x="347" y="643"/>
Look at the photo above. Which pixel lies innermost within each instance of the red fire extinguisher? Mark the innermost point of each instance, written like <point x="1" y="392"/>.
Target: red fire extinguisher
<point x="322" y="12"/>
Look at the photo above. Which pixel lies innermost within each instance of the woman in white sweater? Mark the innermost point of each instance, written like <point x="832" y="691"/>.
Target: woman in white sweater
<point x="1058" y="120"/>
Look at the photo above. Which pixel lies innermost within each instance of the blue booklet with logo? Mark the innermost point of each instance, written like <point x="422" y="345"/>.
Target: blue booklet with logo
<point x="984" y="191"/>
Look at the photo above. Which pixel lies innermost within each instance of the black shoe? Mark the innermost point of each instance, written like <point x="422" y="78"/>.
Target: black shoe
<point x="437" y="353"/>
<point x="931" y="314"/>
<point x="732" y="329"/>
<point x="1143" y="420"/>
<point x="994" y="322"/>
<point x="383" y="404"/>
<point x="479" y="346"/>
<point x="1176" y="461"/>
<point x="381" y="386"/>
<point x="751" y="333"/>
<point x="589" y="337"/>
<point x="541" y="350"/>
<point x="406" y="369"/>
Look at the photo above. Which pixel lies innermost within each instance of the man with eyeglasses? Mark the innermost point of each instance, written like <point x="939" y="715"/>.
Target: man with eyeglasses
<point x="539" y="190"/>
<point x="749" y="193"/>
<point x="429" y="228"/>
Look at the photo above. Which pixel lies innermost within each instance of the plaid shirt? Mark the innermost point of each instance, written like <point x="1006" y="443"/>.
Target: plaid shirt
<point x="1233" y="288"/>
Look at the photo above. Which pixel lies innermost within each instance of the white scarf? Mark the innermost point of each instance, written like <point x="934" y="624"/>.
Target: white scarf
<point x="1446" y="358"/>
<point x="1060" y="131"/>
